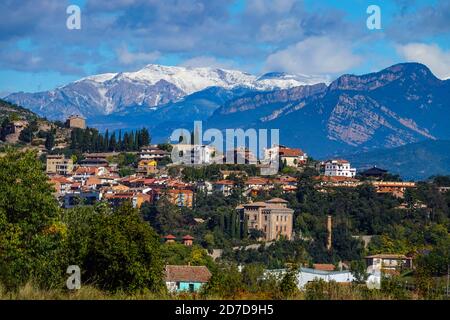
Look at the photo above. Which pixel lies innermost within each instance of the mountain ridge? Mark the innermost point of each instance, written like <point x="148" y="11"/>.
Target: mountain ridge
<point x="149" y="87"/>
<point x="396" y="106"/>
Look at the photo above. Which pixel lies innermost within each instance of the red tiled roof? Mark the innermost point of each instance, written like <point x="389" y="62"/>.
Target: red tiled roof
<point x="257" y="180"/>
<point x="89" y="170"/>
<point x="170" y="237"/>
<point x="188" y="237"/>
<point x="224" y="182"/>
<point x="288" y="152"/>
<point x="58" y="179"/>
<point x="324" y="266"/>
<point x="187" y="273"/>
<point x="179" y="191"/>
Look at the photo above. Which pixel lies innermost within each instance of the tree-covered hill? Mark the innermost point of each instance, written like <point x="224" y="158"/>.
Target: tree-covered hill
<point x="14" y="112"/>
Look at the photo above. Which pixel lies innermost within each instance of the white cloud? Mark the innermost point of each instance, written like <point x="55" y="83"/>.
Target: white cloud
<point x="314" y="55"/>
<point x="207" y="61"/>
<point x="127" y="57"/>
<point x="431" y="55"/>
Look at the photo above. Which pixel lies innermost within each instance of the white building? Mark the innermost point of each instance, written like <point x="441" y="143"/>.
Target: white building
<point x="193" y="154"/>
<point x="306" y="275"/>
<point x="339" y="168"/>
<point x="152" y="153"/>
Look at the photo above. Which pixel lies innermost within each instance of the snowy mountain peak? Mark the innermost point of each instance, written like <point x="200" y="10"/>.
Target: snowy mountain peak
<point x="152" y="86"/>
<point x="100" y="78"/>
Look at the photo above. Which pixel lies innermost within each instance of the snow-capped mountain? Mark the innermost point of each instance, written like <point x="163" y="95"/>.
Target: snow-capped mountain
<point x="150" y="87"/>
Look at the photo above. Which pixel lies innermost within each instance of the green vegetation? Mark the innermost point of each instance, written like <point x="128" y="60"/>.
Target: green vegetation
<point x="120" y="250"/>
<point x="12" y="112"/>
<point x="115" y="249"/>
<point x="90" y="140"/>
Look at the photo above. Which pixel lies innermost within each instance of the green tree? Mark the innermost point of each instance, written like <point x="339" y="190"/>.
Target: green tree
<point x="116" y="250"/>
<point x="288" y="284"/>
<point x="31" y="235"/>
<point x="50" y="141"/>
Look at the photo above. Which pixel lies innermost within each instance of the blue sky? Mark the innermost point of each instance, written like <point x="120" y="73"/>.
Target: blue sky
<point x="329" y="38"/>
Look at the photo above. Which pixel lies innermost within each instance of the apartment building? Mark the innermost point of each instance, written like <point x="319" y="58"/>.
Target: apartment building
<point x="339" y="168"/>
<point x="58" y="164"/>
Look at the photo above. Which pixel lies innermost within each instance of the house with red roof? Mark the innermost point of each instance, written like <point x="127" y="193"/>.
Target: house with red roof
<point x="186" y="278"/>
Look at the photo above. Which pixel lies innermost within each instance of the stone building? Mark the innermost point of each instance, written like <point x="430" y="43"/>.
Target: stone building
<point x="76" y="122"/>
<point x="273" y="217"/>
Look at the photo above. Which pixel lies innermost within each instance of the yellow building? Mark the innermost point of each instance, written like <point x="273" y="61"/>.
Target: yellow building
<point x="147" y="167"/>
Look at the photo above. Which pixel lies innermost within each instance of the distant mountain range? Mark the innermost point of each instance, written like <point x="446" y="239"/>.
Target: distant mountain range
<point x="402" y="104"/>
<point x="148" y="88"/>
<point x="397" y="106"/>
<point x="416" y="161"/>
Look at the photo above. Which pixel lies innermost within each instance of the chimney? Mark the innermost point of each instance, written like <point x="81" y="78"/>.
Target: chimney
<point x="329" y="230"/>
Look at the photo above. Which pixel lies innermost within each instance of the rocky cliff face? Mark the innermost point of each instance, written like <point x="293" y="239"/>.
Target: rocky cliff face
<point x="402" y="104"/>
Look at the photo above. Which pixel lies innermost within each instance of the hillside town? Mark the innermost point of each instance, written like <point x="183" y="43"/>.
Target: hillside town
<point x="231" y="212"/>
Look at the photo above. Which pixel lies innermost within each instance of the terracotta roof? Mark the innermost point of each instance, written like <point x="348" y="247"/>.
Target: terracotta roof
<point x="188" y="237"/>
<point x="93" y="181"/>
<point x="170" y="237"/>
<point x="179" y="191"/>
<point x="59" y="179"/>
<point x="324" y="266"/>
<point x="256" y="180"/>
<point x="187" y="273"/>
<point x="288" y="152"/>
<point x="89" y="170"/>
<point x="224" y="182"/>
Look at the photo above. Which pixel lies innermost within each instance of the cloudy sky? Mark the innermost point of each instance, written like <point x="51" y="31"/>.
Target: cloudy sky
<point x="328" y="37"/>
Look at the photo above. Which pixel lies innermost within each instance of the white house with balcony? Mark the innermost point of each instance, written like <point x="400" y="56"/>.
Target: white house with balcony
<point x="339" y="168"/>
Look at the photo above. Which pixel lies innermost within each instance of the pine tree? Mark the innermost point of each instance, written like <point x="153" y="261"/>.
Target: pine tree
<point x="106" y="141"/>
<point x="50" y="141"/>
<point x="145" y="138"/>
<point x="119" y="142"/>
<point x="112" y="142"/>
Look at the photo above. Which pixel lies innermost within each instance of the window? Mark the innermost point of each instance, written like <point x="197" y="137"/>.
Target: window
<point x="191" y="287"/>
